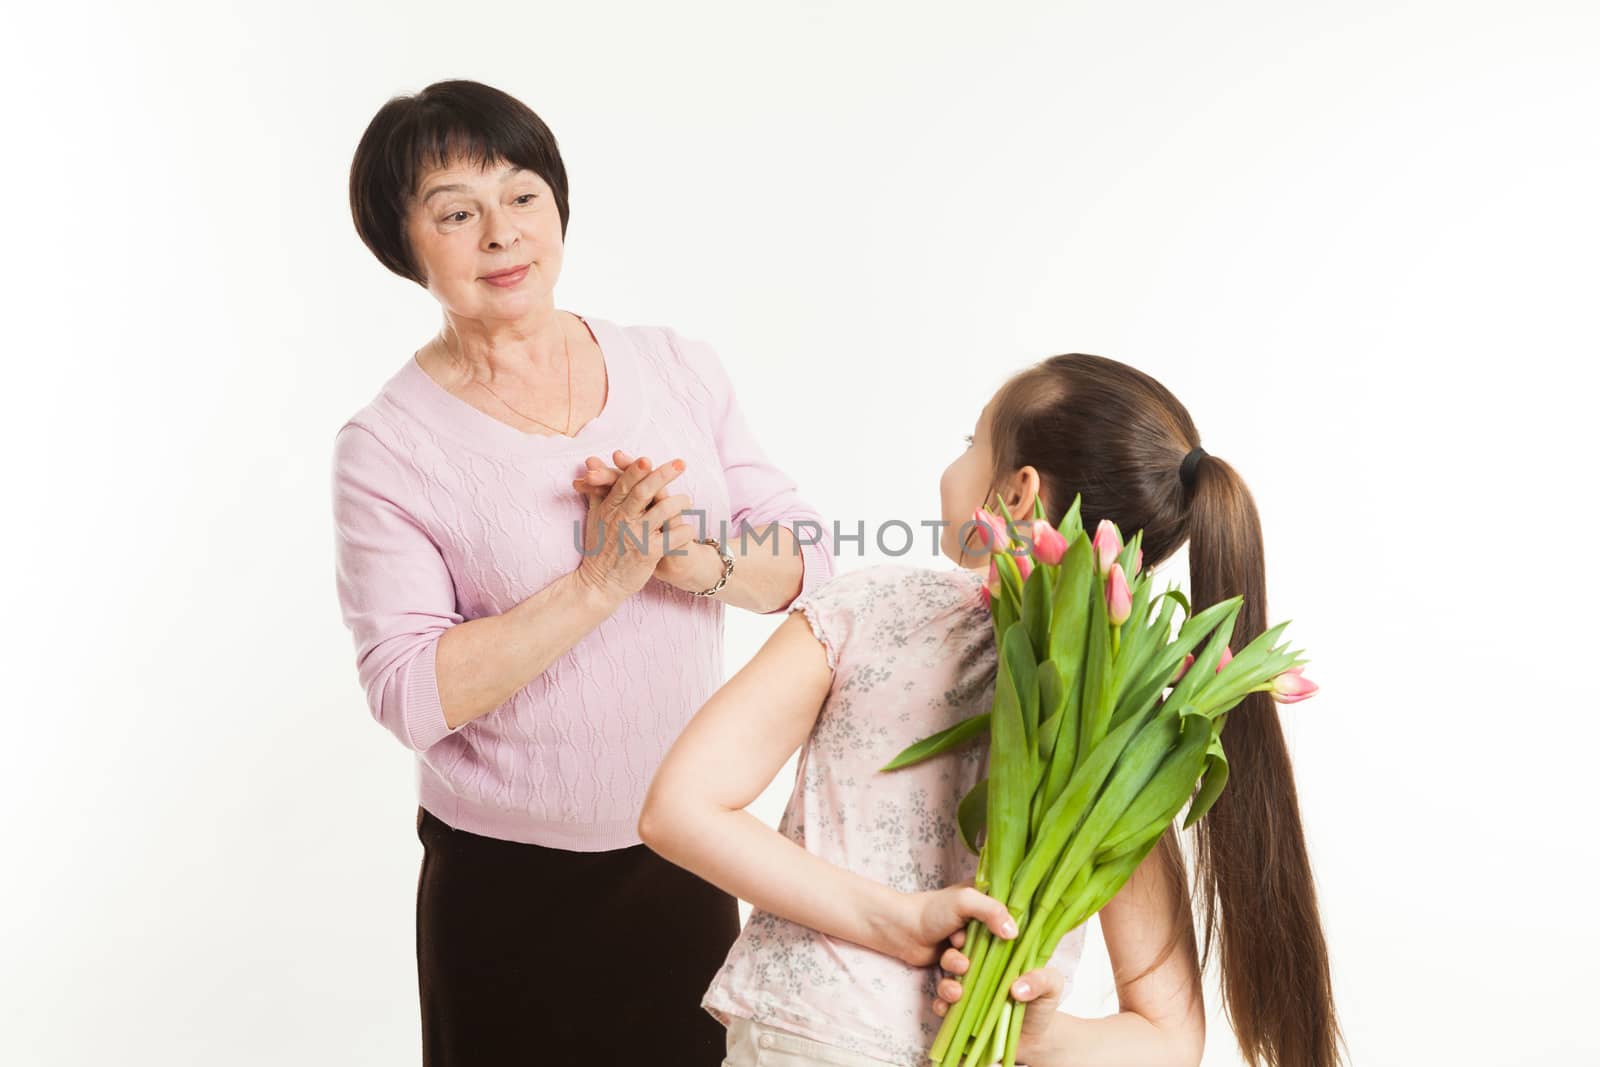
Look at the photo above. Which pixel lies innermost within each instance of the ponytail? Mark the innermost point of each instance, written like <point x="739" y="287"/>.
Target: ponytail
<point x="1252" y="873"/>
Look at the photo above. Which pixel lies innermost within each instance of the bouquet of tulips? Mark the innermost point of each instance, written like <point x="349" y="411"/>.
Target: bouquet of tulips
<point x="1102" y="725"/>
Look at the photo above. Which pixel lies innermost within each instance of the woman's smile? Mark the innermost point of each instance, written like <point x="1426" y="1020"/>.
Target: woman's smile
<point x="507" y="280"/>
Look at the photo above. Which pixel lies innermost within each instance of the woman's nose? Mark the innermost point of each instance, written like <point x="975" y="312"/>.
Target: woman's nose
<point x="499" y="232"/>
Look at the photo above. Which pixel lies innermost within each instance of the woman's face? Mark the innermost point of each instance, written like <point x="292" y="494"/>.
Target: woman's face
<point x="963" y="488"/>
<point x="466" y="223"/>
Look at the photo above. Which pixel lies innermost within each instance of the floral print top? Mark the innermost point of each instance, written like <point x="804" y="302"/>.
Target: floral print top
<point x="912" y="651"/>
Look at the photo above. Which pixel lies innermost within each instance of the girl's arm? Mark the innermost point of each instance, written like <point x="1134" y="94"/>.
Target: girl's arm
<point x="1162" y="1022"/>
<point x="732" y="750"/>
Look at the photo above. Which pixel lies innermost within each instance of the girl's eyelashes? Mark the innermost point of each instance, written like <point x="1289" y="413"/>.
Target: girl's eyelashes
<point x="968" y="439"/>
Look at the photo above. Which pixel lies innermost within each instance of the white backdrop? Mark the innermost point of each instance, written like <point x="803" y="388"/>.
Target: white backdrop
<point x="1358" y="240"/>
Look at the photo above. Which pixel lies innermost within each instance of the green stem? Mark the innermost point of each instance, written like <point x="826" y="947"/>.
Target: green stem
<point x="999" y="1050"/>
<point x="977" y="945"/>
<point x="978" y="992"/>
<point x="999" y="992"/>
<point x="1014" y="1035"/>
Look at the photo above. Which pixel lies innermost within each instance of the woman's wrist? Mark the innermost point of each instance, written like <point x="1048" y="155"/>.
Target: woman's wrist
<point x="723" y="563"/>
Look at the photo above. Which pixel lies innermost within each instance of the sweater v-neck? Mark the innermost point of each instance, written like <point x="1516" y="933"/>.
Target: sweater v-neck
<point x="415" y="389"/>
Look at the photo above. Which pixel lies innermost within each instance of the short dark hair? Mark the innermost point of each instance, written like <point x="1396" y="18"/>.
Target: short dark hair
<point x="447" y="122"/>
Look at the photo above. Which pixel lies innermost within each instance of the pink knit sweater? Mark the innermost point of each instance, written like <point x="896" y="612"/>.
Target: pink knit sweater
<point x="444" y="514"/>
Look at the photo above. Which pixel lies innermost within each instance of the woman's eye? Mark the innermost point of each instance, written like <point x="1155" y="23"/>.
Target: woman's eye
<point x="452" y="216"/>
<point x="527" y="196"/>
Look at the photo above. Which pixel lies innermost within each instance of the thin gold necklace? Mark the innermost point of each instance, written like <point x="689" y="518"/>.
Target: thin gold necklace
<point x="567" y="432"/>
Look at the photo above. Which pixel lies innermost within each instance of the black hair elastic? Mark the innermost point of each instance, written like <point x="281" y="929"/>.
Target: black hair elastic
<point x="1186" y="470"/>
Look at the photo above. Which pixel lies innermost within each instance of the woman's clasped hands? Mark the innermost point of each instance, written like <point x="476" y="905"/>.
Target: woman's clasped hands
<point x="631" y="520"/>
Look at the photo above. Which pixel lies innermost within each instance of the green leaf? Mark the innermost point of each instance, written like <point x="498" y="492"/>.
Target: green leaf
<point x="1258" y="662"/>
<point x="1126" y="556"/>
<point x="1166" y="793"/>
<point x="941" y="742"/>
<point x="1067" y="810"/>
<point x="1098" y="691"/>
<point x="972" y="814"/>
<point x="1073" y="586"/>
<point x="1036" y="610"/>
<point x="1052" y="705"/>
<point x="1005" y="513"/>
<point x="1010" y="761"/>
<point x="1010" y="581"/>
<point x="1211" y="787"/>
<point x="1071" y="524"/>
<point x="1204" y="669"/>
<point x="1138" y="762"/>
<point x="1023" y="671"/>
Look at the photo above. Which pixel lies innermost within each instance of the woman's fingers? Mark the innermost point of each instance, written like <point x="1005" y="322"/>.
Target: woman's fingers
<point x="636" y="486"/>
<point x="661" y="514"/>
<point x="644" y="490"/>
<point x="949" y="990"/>
<point x="958" y="938"/>
<point x="954" y="961"/>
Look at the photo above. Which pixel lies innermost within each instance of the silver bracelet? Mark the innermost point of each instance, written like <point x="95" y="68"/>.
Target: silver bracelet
<point x="727" y="565"/>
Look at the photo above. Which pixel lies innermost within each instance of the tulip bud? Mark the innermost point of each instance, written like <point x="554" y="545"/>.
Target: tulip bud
<point x="991" y="585"/>
<point x="1119" y="601"/>
<point x="1138" y="560"/>
<point x="1227" y="658"/>
<point x="1048" y="544"/>
<point x="1183" y="669"/>
<point x="1024" y="565"/>
<point x="1107" y="545"/>
<point x="992" y="530"/>
<point x="1292" y="686"/>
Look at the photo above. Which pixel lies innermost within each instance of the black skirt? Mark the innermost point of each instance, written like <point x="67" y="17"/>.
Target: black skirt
<point x="533" y="955"/>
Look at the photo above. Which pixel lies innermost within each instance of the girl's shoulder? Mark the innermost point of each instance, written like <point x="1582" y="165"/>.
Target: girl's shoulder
<point x="883" y="604"/>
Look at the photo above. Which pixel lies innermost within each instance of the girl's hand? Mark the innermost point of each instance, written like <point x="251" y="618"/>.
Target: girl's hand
<point x="633" y="509"/>
<point x="1041" y="989"/>
<point x="683" y="563"/>
<point x="931" y="918"/>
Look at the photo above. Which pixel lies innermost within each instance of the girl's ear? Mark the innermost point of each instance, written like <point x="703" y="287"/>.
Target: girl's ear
<point x="1020" y="491"/>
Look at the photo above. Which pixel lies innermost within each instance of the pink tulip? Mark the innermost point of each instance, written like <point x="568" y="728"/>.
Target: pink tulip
<point x="1183" y="669"/>
<point x="992" y="529"/>
<point x="1024" y="565"/>
<point x="1138" y="560"/>
<point x="1292" y="686"/>
<point x="1048" y="544"/>
<point x="991" y="586"/>
<point x="1227" y="658"/>
<point x="1119" y="601"/>
<point x="1107" y="544"/>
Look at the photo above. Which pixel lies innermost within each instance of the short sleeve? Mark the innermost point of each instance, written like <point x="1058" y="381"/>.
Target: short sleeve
<point x="395" y="592"/>
<point x="834" y="607"/>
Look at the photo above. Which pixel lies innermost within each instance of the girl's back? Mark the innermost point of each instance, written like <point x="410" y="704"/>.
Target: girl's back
<point x="913" y="652"/>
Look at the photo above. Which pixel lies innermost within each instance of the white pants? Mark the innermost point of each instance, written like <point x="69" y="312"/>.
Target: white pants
<point x="753" y="1044"/>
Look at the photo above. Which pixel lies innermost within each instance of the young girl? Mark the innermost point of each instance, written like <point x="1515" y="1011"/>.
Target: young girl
<point x="859" y="889"/>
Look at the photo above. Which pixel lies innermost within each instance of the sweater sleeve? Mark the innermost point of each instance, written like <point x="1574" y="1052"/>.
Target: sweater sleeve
<point x="395" y="592"/>
<point x="758" y="492"/>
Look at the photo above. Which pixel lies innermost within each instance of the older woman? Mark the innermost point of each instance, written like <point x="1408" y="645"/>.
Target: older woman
<point x="537" y="606"/>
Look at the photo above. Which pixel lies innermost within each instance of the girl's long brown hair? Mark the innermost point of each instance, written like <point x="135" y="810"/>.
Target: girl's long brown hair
<point x="1100" y="429"/>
